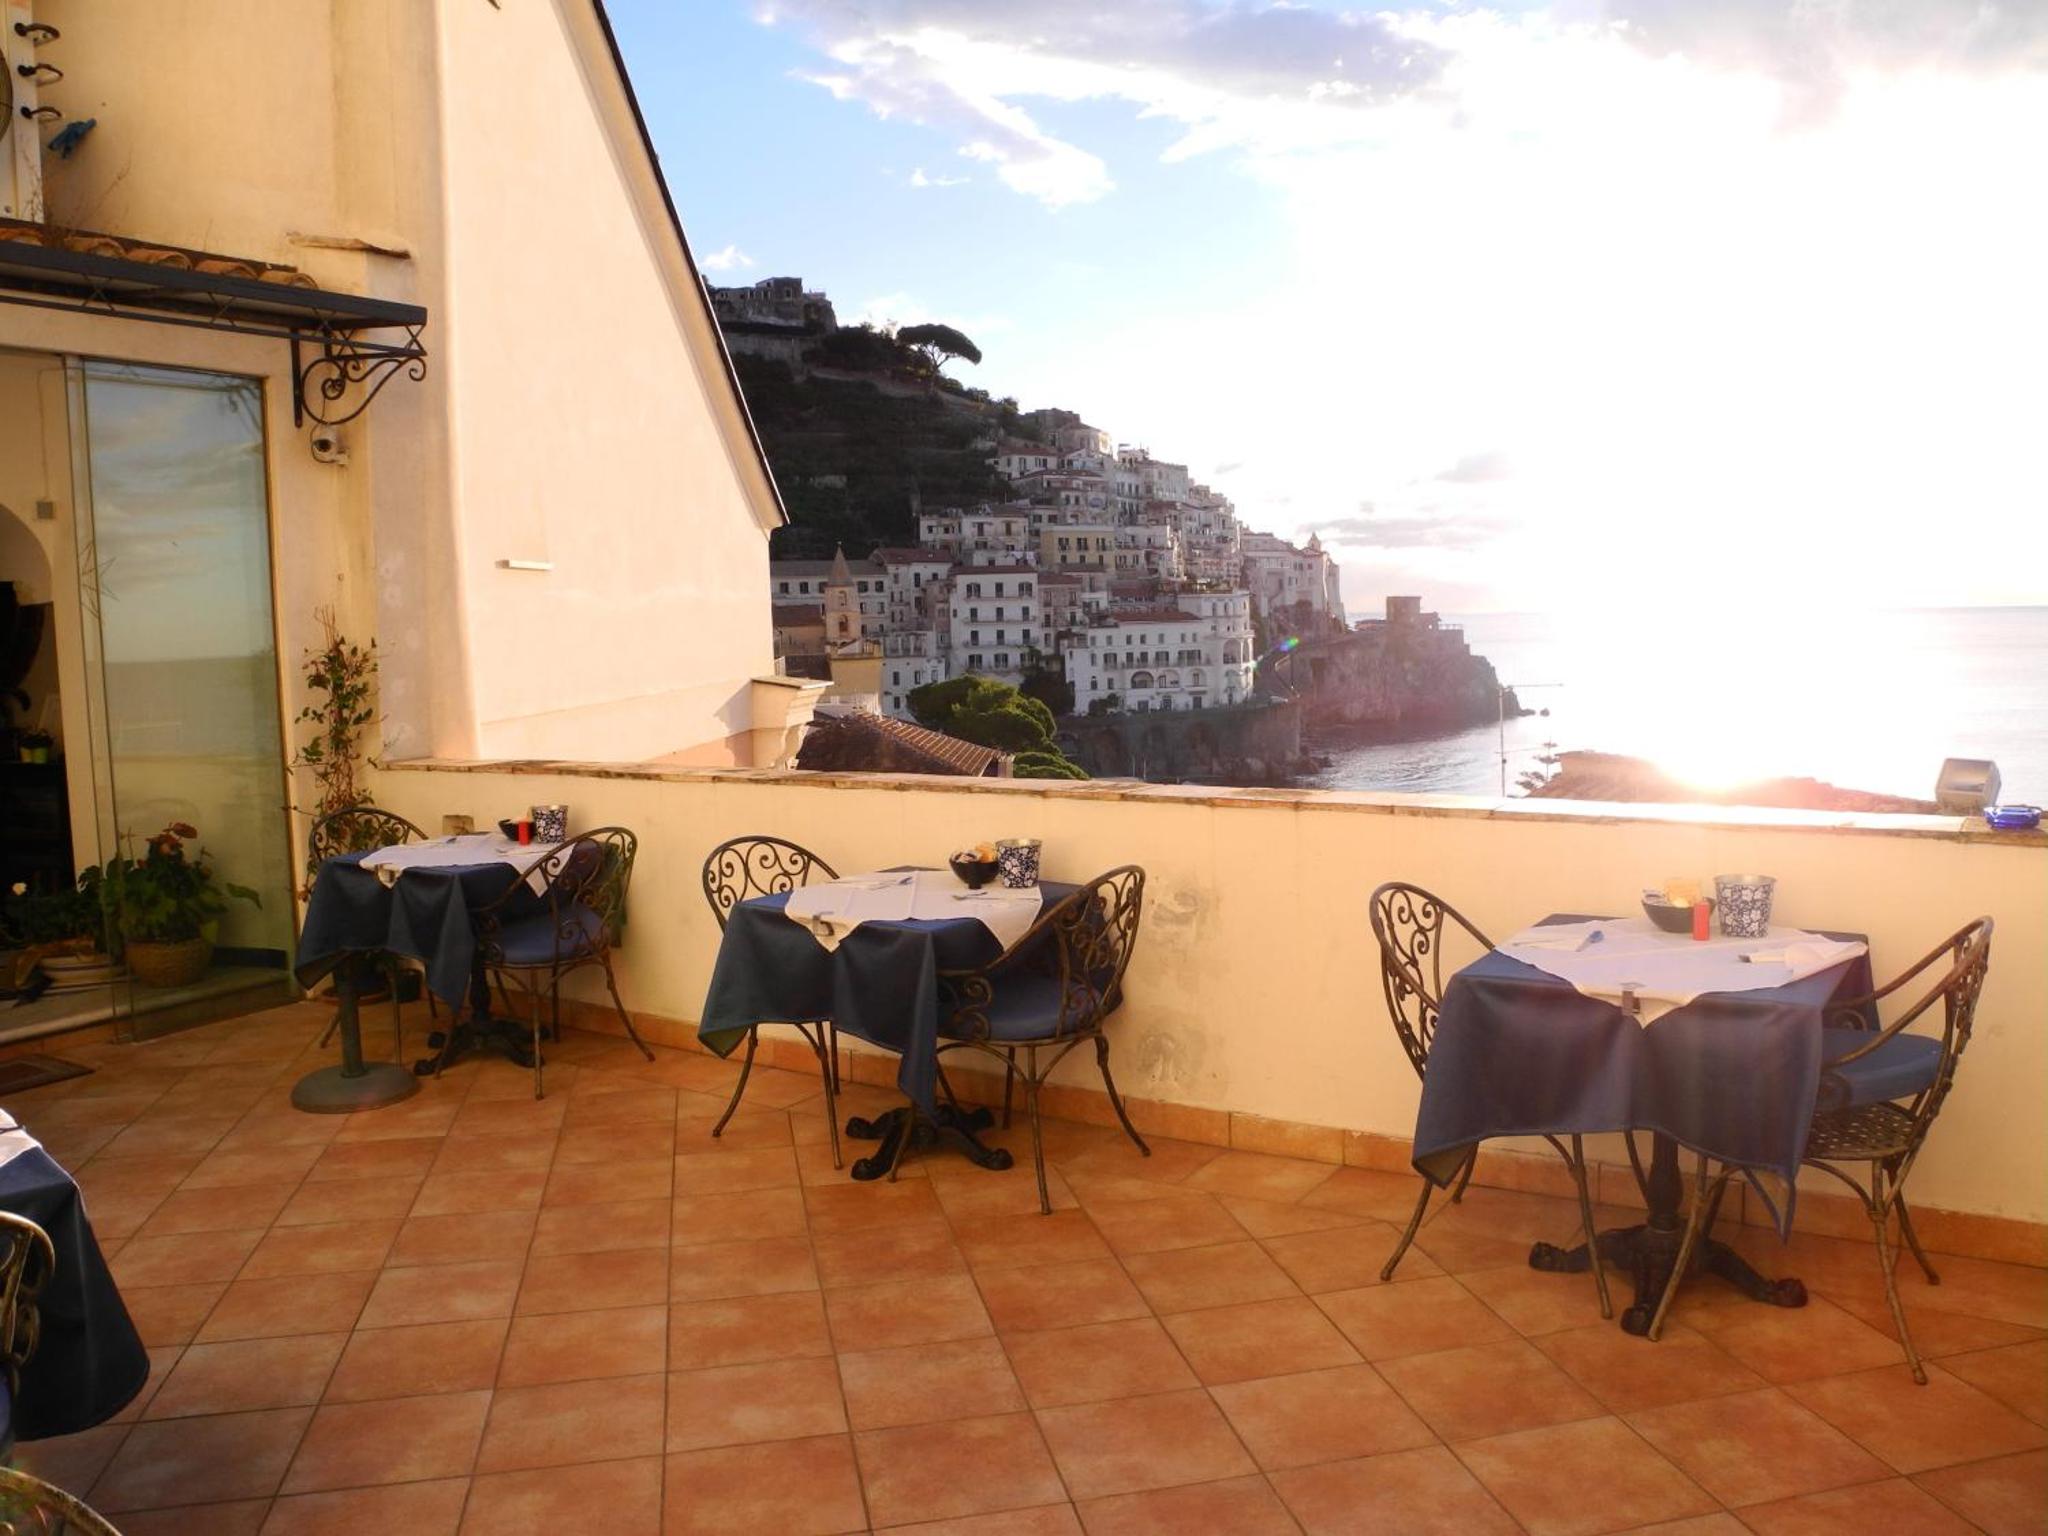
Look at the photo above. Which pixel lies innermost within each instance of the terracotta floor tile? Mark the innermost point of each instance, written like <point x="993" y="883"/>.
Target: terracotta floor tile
<point x="521" y="1117"/>
<point x="417" y="1509"/>
<point x="583" y="1282"/>
<point x="927" y="1382"/>
<point x="608" y="1183"/>
<point x="986" y="1194"/>
<point x="742" y="1404"/>
<point x="610" y="1145"/>
<point x="1722" y="1524"/>
<point x="736" y="1330"/>
<point x="603" y="1498"/>
<point x="592" y="1104"/>
<point x="1388" y="1197"/>
<point x="201" y="1460"/>
<point x="1533" y="1302"/>
<point x="1097" y="1362"/>
<point x="729" y="1171"/>
<point x="2007" y="1495"/>
<point x="1258" y="1338"/>
<point x="1915" y="1428"/>
<point x="71" y="1462"/>
<point x="755" y="1267"/>
<point x="946" y="1471"/>
<point x="562" y="1423"/>
<point x="579" y="1346"/>
<point x="797" y="1487"/>
<point x="1139" y="1443"/>
<point x="1184" y="1279"/>
<point x="1895" y="1507"/>
<point x="188" y="1258"/>
<point x="1413" y="1317"/>
<point x="1488" y="1389"/>
<point x="1044" y="1520"/>
<point x="1169" y="1162"/>
<point x="1243" y="1506"/>
<point x="1257" y="1176"/>
<point x="170" y="1314"/>
<point x="1458" y="1247"/>
<point x="1937" y="1334"/>
<point x="855" y="1207"/>
<point x="494" y="1154"/>
<point x="256" y="1309"/>
<point x="992" y="1243"/>
<point x="910" y="1250"/>
<point x="1345" y="1258"/>
<point x="1627" y="1373"/>
<point x="460" y="1194"/>
<point x="243" y="1517"/>
<point x="329" y="1247"/>
<point x="747" y="1131"/>
<point x="1752" y="1447"/>
<point x="903" y="1312"/>
<point x="418" y="1360"/>
<point x="1316" y="1416"/>
<point x="602" y="1228"/>
<point x="222" y="1209"/>
<point x="396" y="1160"/>
<point x="1060" y="1295"/>
<point x="1153" y="1226"/>
<point x="462" y="1239"/>
<point x="1423" y="1492"/>
<point x="372" y="1199"/>
<point x="264" y="1163"/>
<point x="442" y="1293"/>
<point x="1273" y="1218"/>
<point x="1796" y="1343"/>
<point x="1576" y="1479"/>
<point x="728" y="1218"/>
<point x="258" y="1373"/>
<point x="2017" y="1375"/>
<point x="394" y="1440"/>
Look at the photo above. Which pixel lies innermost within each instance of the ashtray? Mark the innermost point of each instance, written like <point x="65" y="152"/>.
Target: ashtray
<point x="2013" y="818"/>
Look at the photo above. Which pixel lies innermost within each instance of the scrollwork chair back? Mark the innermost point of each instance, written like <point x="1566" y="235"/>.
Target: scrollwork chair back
<point x="746" y="867"/>
<point x="1410" y="923"/>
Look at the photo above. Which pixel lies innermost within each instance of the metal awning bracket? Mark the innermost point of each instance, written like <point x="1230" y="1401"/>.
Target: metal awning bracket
<point x="322" y="382"/>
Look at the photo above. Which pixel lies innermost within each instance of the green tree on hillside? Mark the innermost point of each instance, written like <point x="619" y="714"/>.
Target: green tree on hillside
<point x="937" y="345"/>
<point x="994" y="714"/>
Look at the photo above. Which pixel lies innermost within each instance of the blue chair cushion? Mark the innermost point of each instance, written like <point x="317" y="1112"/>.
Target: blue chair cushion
<point x="532" y="940"/>
<point x="1027" y="1007"/>
<point x="1898" y="1069"/>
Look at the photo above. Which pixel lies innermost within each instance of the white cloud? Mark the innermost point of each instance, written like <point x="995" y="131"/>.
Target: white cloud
<point x="920" y="178"/>
<point x="728" y="259"/>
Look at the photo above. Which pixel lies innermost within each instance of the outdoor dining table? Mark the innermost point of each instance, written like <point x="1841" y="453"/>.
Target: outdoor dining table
<point x="89" y="1361"/>
<point x="880" y="984"/>
<point x="1731" y="1074"/>
<point x="426" y="912"/>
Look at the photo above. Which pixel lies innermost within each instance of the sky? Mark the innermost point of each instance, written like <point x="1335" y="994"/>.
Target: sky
<point x="1658" y="307"/>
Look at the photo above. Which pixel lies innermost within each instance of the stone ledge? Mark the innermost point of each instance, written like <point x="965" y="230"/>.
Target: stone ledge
<point x="1963" y="829"/>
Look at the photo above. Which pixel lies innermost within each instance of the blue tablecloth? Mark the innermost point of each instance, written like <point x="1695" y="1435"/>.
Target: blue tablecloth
<point x="1732" y="1074"/>
<point x="880" y="985"/>
<point x="425" y="915"/>
<point x="90" y="1362"/>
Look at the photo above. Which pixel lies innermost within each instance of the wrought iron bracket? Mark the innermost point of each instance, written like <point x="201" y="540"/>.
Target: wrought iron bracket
<point x="322" y="381"/>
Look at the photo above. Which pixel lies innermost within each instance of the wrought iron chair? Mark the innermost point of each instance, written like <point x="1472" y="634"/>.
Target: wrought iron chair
<point x="739" y="870"/>
<point x="27" y="1259"/>
<point x="360" y="829"/>
<point x="1880" y="1089"/>
<point x="1409" y="923"/>
<point x="31" y="1507"/>
<point x="579" y="916"/>
<point x="1050" y="991"/>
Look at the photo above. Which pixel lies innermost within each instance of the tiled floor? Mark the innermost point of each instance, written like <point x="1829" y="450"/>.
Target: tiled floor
<point x="474" y="1312"/>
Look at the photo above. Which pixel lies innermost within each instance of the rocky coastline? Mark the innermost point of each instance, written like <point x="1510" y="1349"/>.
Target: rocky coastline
<point x="1609" y="776"/>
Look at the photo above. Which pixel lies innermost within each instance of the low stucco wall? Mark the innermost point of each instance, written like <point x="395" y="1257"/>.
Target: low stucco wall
<point x="1255" y="986"/>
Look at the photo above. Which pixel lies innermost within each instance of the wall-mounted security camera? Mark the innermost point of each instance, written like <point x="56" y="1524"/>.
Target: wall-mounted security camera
<point x="327" y="446"/>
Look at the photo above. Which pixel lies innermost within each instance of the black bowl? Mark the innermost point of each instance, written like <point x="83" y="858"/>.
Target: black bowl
<point x="974" y="873"/>
<point x="510" y="828"/>
<point x="1672" y="918"/>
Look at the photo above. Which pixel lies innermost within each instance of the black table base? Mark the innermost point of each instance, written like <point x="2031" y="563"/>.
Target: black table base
<point x="355" y="1084"/>
<point x="470" y="1036"/>
<point x="952" y="1127"/>
<point x="1649" y="1253"/>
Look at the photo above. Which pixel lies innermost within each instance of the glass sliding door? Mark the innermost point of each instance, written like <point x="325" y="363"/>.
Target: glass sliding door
<point x="175" y="575"/>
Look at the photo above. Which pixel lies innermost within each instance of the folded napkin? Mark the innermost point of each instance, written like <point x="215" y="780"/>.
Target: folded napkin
<point x="461" y="849"/>
<point x="833" y="910"/>
<point x="13" y="1139"/>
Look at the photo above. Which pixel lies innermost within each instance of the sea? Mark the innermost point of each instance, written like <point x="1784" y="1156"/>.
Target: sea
<point x="1869" y="700"/>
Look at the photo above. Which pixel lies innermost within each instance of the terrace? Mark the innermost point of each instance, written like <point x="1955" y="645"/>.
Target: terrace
<point x="477" y="1311"/>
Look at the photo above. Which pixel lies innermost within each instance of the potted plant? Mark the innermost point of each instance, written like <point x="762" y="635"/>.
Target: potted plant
<point x="65" y="932"/>
<point x="167" y="906"/>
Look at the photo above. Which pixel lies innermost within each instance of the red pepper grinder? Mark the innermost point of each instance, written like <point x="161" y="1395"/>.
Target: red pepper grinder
<point x="1700" y="913"/>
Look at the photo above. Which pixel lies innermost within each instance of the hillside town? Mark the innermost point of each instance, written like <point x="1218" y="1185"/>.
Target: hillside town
<point x="1112" y="570"/>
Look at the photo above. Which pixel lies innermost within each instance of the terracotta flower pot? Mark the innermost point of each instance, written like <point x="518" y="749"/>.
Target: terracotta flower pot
<point x="169" y="965"/>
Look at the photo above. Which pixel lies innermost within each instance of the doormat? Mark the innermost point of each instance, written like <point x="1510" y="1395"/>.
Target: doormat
<point x="18" y="1074"/>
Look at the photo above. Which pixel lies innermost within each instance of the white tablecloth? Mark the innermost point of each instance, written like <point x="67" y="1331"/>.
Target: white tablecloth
<point x="1668" y="970"/>
<point x="833" y="910"/>
<point x="13" y="1139"/>
<point x="466" y="848"/>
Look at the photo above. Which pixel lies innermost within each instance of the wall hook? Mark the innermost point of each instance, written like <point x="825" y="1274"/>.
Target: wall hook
<point x="42" y="74"/>
<point x="37" y="32"/>
<point x="40" y="114"/>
